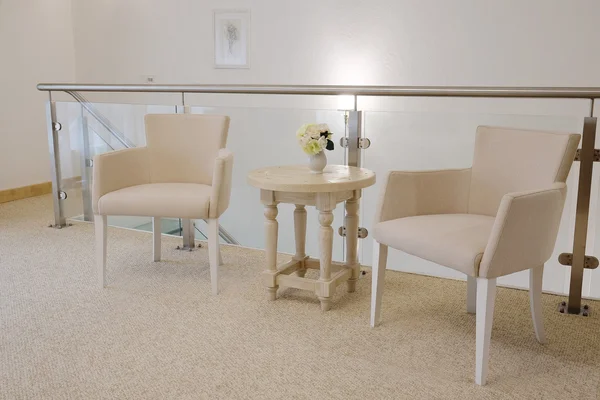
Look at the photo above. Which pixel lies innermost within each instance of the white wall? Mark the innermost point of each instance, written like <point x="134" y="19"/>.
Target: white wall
<point x="36" y="44"/>
<point x="391" y="42"/>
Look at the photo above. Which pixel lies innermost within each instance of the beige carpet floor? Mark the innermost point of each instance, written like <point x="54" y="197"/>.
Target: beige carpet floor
<point x="157" y="333"/>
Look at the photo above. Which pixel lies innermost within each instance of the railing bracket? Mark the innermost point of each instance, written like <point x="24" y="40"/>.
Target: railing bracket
<point x="584" y="311"/>
<point x="364" y="143"/>
<point x="59" y="226"/>
<point x="185" y="248"/>
<point x="362" y="232"/>
<point x="590" y="262"/>
<point x="596" y="155"/>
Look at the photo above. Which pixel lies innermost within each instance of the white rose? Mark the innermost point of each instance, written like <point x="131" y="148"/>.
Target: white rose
<point x="322" y="142"/>
<point x="323" y="128"/>
<point x="313" y="131"/>
<point x="302" y="130"/>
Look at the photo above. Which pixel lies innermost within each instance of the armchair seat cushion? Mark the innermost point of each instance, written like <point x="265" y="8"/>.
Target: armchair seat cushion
<point x="169" y="200"/>
<point x="453" y="240"/>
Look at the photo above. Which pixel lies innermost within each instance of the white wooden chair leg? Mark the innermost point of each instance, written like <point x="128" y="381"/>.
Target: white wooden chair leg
<point x="100" y="223"/>
<point x="218" y="247"/>
<point x="213" y="253"/>
<point x="535" y="297"/>
<point x="156" y="233"/>
<point x="378" y="284"/>
<point x="471" y="294"/>
<point x="486" y="297"/>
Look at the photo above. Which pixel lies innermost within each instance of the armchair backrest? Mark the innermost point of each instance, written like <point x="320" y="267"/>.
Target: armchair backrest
<point x="512" y="160"/>
<point x="182" y="148"/>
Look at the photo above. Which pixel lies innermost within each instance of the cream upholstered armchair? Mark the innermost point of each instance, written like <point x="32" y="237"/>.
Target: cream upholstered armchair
<point x="183" y="172"/>
<point x="498" y="217"/>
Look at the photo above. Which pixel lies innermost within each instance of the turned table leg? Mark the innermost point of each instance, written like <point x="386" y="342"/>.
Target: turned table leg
<point x="300" y="236"/>
<point x="271" y="228"/>
<point x="351" y="223"/>
<point x="325" y="247"/>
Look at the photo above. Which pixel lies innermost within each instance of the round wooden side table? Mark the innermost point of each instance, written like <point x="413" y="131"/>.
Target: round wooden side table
<point x="297" y="185"/>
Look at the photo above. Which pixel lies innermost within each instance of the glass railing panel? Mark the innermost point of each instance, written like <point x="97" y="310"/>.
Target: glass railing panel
<point x="122" y="221"/>
<point x="122" y="125"/>
<point x="270" y="101"/>
<point x="261" y="137"/>
<point x="113" y="127"/>
<point x="202" y="229"/>
<point x="133" y="98"/>
<point x="95" y="129"/>
<point x="169" y="226"/>
<point x="429" y="141"/>
<point x="71" y="158"/>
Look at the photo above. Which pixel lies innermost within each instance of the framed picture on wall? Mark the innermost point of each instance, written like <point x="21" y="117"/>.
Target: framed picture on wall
<point x="232" y="37"/>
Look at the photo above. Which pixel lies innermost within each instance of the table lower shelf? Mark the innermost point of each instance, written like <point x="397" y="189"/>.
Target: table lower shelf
<point x="291" y="274"/>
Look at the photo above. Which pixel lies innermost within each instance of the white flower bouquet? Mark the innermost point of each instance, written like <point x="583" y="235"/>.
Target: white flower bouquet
<point x="314" y="138"/>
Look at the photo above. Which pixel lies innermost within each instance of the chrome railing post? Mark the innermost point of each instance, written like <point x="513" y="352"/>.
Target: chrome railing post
<point x="586" y="166"/>
<point x="86" y="169"/>
<point x="353" y="143"/>
<point x="53" y="144"/>
<point x="188" y="234"/>
<point x="188" y="226"/>
<point x="355" y="126"/>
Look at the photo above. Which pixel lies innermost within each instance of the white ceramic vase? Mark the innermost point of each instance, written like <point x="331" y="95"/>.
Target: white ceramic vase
<point x="317" y="163"/>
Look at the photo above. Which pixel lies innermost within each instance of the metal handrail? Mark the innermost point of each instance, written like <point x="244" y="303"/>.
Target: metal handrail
<point x="419" y="91"/>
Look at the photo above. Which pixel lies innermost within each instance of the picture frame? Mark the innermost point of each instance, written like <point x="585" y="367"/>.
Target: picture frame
<point x="231" y="30"/>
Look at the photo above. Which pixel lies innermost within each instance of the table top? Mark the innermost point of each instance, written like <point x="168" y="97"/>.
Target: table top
<point x="298" y="178"/>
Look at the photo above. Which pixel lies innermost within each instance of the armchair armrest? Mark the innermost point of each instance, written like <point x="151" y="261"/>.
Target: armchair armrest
<point x="524" y="232"/>
<point x="221" y="183"/>
<point x="117" y="170"/>
<point x="407" y="194"/>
